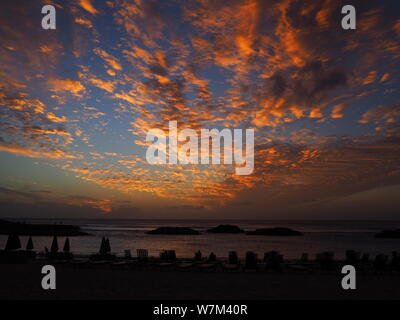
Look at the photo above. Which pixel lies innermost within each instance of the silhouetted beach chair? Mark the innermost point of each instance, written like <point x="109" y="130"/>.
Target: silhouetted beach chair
<point x="211" y="263"/>
<point x="142" y="257"/>
<point x="301" y="265"/>
<point x="167" y="259"/>
<point x="168" y="255"/>
<point x="353" y="258"/>
<point x="163" y="256"/>
<point x="127" y="254"/>
<point x="197" y="256"/>
<point x="233" y="257"/>
<point x="365" y="258"/>
<point x="128" y="257"/>
<point x="212" y="257"/>
<point x="233" y="262"/>
<point x="395" y="262"/>
<point x="365" y="263"/>
<point x="380" y="263"/>
<point x="251" y="262"/>
<point x="171" y="255"/>
<point x="142" y="254"/>
<point x="273" y="261"/>
<point x="325" y="260"/>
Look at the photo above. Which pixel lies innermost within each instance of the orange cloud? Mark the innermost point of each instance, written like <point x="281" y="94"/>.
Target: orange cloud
<point x="87" y="5"/>
<point x="380" y="113"/>
<point x="103" y="205"/>
<point x="66" y="85"/>
<point x="289" y="36"/>
<point x="316" y="113"/>
<point x="53" y="118"/>
<point x="27" y="152"/>
<point x="84" y="22"/>
<point x="105" y="85"/>
<point x="108" y="58"/>
<point x="337" y="111"/>
<point x="384" y="77"/>
<point x="370" y="78"/>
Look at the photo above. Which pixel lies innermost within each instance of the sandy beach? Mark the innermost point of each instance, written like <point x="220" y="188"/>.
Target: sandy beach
<point x="23" y="281"/>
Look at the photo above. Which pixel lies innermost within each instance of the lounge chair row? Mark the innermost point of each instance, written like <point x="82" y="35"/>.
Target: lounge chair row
<point x="272" y="261"/>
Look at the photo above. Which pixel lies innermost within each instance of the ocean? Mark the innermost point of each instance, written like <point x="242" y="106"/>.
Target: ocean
<point x="336" y="236"/>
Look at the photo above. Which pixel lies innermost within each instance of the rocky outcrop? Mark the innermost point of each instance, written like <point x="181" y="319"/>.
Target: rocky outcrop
<point x="389" y="234"/>
<point x="225" y="228"/>
<point x="9" y="227"/>
<point x="274" y="232"/>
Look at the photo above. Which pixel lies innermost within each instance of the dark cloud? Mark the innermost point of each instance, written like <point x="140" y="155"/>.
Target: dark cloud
<point x="308" y="86"/>
<point x="47" y="210"/>
<point x="12" y="193"/>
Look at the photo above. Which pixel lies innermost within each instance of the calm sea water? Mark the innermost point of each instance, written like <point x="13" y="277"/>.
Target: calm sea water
<point x="336" y="236"/>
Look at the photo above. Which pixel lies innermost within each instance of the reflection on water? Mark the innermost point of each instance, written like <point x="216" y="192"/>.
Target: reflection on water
<point x="318" y="236"/>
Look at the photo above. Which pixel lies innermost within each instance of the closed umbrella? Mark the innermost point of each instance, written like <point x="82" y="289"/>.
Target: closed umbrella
<point x="108" y="247"/>
<point x="66" y="245"/>
<point x="102" y="246"/>
<point x="9" y="243"/>
<point x="17" y="242"/>
<point x="54" y="245"/>
<point x="29" y="245"/>
<point x="13" y="242"/>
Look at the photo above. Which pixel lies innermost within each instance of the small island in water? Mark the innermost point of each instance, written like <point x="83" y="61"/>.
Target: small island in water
<point x="32" y="229"/>
<point x="389" y="234"/>
<point x="274" y="232"/>
<point x="225" y="228"/>
<point x="174" y="231"/>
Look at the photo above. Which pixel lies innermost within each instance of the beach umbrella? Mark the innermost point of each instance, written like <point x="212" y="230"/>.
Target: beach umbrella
<point x="9" y="243"/>
<point x="54" y="245"/>
<point x="29" y="245"/>
<point x="102" y="246"/>
<point x="66" y="245"/>
<point x="17" y="243"/>
<point x="107" y="246"/>
<point x="13" y="242"/>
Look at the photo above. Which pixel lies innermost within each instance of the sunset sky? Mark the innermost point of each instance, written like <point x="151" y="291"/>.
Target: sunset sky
<point x="76" y="104"/>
